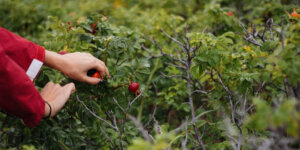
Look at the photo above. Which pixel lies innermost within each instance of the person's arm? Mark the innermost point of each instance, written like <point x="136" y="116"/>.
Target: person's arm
<point x="31" y="57"/>
<point x="26" y="54"/>
<point x="18" y="95"/>
<point x="20" y="62"/>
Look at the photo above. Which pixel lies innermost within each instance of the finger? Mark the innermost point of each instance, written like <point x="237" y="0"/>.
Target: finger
<point x="56" y="86"/>
<point x="91" y="80"/>
<point x="103" y="64"/>
<point x="70" y="87"/>
<point x="48" y="87"/>
<point x="100" y="66"/>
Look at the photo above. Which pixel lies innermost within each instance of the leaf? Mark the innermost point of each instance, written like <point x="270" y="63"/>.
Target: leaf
<point x="269" y="45"/>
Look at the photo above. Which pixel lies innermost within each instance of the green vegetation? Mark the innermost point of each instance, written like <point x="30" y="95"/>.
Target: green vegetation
<point x="212" y="74"/>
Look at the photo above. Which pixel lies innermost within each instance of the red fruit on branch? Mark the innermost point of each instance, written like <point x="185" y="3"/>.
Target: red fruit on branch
<point x="96" y="75"/>
<point x="93" y="28"/>
<point x="295" y="14"/>
<point x="133" y="87"/>
<point x="63" y="52"/>
<point x="230" y="13"/>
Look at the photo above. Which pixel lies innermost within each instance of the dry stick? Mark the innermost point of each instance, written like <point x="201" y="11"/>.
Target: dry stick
<point x="269" y="25"/>
<point x="249" y="36"/>
<point x="153" y="41"/>
<point x="187" y="67"/>
<point x="108" y="138"/>
<point x="141" y="129"/>
<point x="173" y="39"/>
<point x="260" y="88"/>
<point x="173" y="76"/>
<point x="230" y="96"/>
<point x="125" y="116"/>
<point x="282" y="34"/>
<point x="96" y="116"/>
<point x="155" y="107"/>
<point x="183" y="144"/>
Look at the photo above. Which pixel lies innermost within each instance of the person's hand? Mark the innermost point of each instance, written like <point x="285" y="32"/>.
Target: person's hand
<point x="56" y="96"/>
<point x="76" y="65"/>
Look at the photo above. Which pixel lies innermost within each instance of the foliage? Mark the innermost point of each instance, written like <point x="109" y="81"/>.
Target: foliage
<point x="208" y="80"/>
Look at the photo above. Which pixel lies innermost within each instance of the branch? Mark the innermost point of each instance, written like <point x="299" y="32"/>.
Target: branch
<point x="96" y="116"/>
<point x="173" y="76"/>
<point x="141" y="129"/>
<point x="118" y="105"/>
<point x="142" y="92"/>
<point x="155" y="107"/>
<point x="173" y="39"/>
<point x="183" y="143"/>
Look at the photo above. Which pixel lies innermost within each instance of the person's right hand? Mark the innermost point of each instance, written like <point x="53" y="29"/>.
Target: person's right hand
<point x="56" y="96"/>
<point x="76" y="65"/>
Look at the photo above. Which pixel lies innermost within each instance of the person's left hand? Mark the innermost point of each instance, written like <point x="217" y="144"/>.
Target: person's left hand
<point x="56" y="96"/>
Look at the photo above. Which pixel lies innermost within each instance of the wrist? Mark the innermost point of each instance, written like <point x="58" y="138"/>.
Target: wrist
<point x="54" y="60"/>
<point x="48" y="110"/>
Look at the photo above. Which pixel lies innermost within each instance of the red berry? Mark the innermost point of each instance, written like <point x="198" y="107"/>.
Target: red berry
<point x="96" y="75"/>
<point x="295" y="14"/>
<point x="62" y="52"/>
<point x="94" y="25"/>
<point x="133" y="87"/>
<point x="230" y="13"/>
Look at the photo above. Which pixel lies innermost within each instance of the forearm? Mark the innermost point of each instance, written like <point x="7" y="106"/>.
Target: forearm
<point x="54" y="60"/>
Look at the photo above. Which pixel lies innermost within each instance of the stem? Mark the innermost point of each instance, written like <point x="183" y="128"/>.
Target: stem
<point x="189" y="80"/>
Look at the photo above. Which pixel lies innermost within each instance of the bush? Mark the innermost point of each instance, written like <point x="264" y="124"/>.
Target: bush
<point x="212" y="74"/>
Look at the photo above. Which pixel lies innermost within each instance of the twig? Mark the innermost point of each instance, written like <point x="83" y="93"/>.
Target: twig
<point x="96" y="116"/>
<point x="173" y="39"/>
<point x="173" y="76"/>
<point x="155" y="107"/>
<point x="141" y="128"/>
<point x="118" y="105"/>
<point x="183" y="143"/>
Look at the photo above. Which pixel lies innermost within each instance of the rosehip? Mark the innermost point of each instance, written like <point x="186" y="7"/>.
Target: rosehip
<point x="133" y="87"/>
<point x="62" y="52"/>
<point x="96" y="75"/>
<point x="230" y="13"/>
<point x="295" y="14"/>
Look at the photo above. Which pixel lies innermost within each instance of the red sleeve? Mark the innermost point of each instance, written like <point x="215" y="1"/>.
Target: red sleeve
<point x="26" y="54"/>
<point x="20" y="62"/>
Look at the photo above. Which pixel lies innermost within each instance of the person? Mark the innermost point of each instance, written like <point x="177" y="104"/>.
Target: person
<point x="20" y="63"/>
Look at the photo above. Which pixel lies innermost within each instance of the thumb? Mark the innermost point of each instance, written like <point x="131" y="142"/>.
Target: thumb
<point x="91" y="80"/>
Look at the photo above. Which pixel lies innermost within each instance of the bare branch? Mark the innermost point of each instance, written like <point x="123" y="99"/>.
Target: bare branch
<point x="155" y="107"/>
<point x="200" y="91"/>
<point x="136" y="98"/>
<point x="173" y="39"/>
<point x="118" y="105"/>
<point x="172" y="76"/>
<point x="183" y="143"/>
<point x="141" y="129"/>
<point x="96" y="116"/>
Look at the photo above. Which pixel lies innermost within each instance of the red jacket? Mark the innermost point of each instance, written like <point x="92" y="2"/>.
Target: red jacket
<point x="20" y="62"/>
